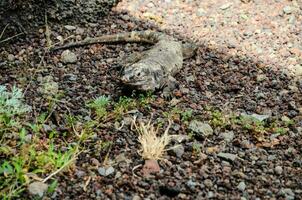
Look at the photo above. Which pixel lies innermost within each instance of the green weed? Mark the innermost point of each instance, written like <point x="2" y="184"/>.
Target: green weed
<point x="99" y="105"/>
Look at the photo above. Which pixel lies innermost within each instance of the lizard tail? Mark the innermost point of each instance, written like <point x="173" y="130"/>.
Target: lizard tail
<point x="151" y="37"/>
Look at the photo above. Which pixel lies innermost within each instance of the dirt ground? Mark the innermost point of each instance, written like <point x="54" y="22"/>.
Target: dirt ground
<point x="249" y="61"/>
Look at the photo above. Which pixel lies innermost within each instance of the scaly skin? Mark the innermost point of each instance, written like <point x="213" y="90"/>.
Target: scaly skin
<point x="151" y="71"/>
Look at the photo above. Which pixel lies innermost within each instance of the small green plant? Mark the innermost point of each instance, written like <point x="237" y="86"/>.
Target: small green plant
<point x="100" y="106"/>
<point x="31" y="159"/>
<point x="145" y="100"/>
<point x="218" y="119"/>
<point x="123" y="105"/>
<point x="11" y="107"/>
<point x="11" y="102"/>
<point x="252" y="124"/>
<point x="196" y="148"/>
<point x="186" y="115"/>
<point x="280" y="130"/>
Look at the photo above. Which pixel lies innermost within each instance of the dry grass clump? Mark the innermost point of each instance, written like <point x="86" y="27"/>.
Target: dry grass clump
<point x="152" y="145"/>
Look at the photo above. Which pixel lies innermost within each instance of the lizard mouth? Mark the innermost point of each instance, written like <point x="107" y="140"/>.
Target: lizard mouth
<point x="142" y="84"/>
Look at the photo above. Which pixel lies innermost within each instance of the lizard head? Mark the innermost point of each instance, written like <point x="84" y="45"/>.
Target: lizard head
<point x="139" y="77"/>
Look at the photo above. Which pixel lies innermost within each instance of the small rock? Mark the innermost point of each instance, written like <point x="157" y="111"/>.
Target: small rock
<point x="127" y="121"/>
<point x="191" y="184"/>
<point x="287" y="10"/>
<point x="210" y="194"/>
<point x="184" y="90"/>
<point x="190" y="79"/>
<point x="201" y="12"/>
<point x="227" y="136"/>
<point x="47" y="128"/>
<point x="126" y="17"/>
<point x="37" y="188"/>
<point x="180" y="138"/>
<point x="256" y="116"/>
<point x="178" y="150"/>
<point x="225" y="6"/>
<point x="292" y="19"/>
<point x="285" y="119"/>
<point x="278" y="170"/>
<point x="260" y="117"/>
<point x="70" y="27"/>
<point x="200" y="128"/>
<point x="105" y="171"/>
<point x="80" y="31"/>
<point x="136" y="197"/>
<point x="80" y="173"/>
<point x="287" y="193"/>
<point x="68" y="57"/>
<point x="10" y="57"/>
<point x="48" y="86"/>
<point x="72" y="77"/>
<point x="176" y="127"/>
<point x="208" y="183"/>
<point x="297" y="69"/>
<point x="60" y="38"/>
<point x="28" y="138"/>
<point x="150" y="166"/>
<point x="227" y="156"/>
<point x="246" y="144"/>
<point x="261" y="77"/>
<point x="241" y="186"/>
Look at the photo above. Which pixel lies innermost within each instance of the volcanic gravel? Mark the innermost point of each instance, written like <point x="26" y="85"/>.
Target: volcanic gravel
<point x="248" y="61"/>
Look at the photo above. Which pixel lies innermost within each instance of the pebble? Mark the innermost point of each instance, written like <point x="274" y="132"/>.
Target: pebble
<point x="227" y="136"/>
<point x="297" y="69"/>
<point x="200" y="128"/>
<point x="180" y="138"/>
<point x="271" y="157"/>
<point x="227" y="156"/>
<point x="80" y="173"/>
<point x="225" y="6"/>
<point x="261" y="77"/>
<point x="260" y="117"/>
<point x="136" y="197"/>
<point x="201" y="12"/>
<point x="68" y="57"/>
<point x="37" y="188"/>
<point x="10" y="57"/>
<point x="246" y="144"/>
<point x="178" y="150"/>
<point x="80" y="31"/>
<point x="208" y="183"/>
<point x="105" y="171"/>
<point x="241" y="186"/>
<point x="191" y="184"/>
<point x="287" y="193"/>
<point x="256" y="116"/>
<point x="292" y="19"/>
<point x="190" y="79"/>
<point x="287" y="10"/>
<point x="278" y="170"/>
<point x="210" y="194"/>
<point x="70" y="27"/>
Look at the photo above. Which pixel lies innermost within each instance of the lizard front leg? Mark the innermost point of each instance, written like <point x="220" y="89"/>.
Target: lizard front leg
<point x="170" y="85"/>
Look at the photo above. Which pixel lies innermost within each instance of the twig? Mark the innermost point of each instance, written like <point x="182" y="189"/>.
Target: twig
<point x="10" y="38"/>
<point x="47" y="33"/>
<point x="3" y="31"/>
<point x="35" y="72"/>
<point x="60" y="169"/>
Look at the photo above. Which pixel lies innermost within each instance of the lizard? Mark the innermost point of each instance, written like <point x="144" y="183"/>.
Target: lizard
<point x="152" y="69"/>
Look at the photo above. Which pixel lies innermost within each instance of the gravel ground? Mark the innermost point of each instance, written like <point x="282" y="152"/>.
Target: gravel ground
<point x="248" y="62"/>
